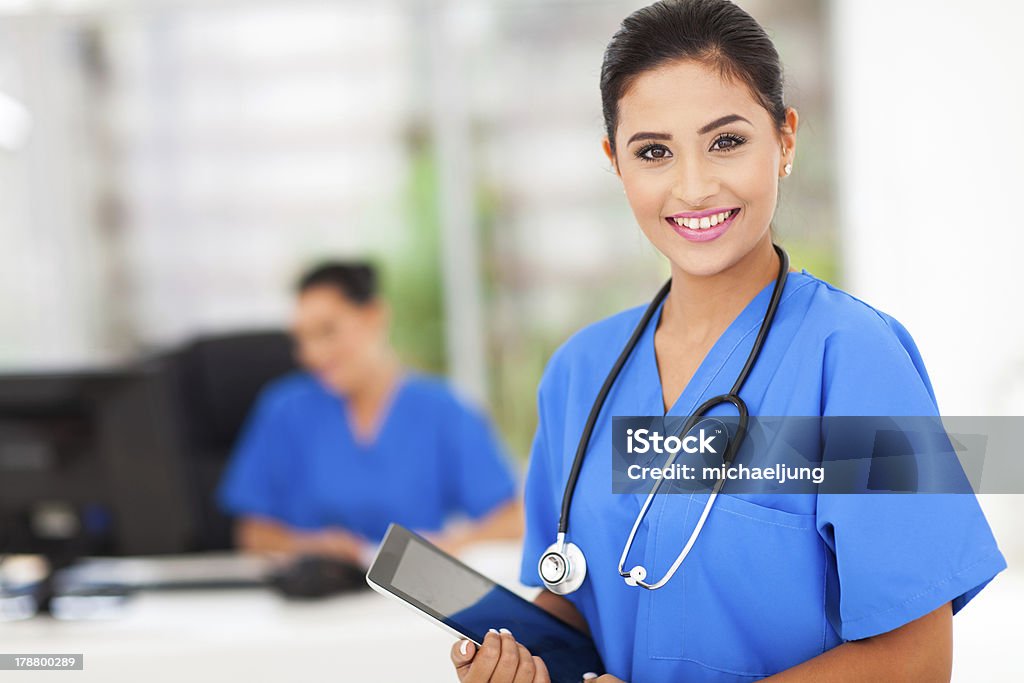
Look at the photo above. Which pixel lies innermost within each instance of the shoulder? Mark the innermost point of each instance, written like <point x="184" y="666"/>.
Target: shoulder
<point x="431" y="393"/>
<point x="592" y="350"/>
<point x="288" y="391"/>
<point x="427" y="388"/>
<point x="425" y="385"/>
<point x="843" y="320"/>
<point x="867" y="353"/>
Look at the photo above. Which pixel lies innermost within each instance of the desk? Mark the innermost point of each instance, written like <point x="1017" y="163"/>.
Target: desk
<point x="244" y="635"/>
<point x="254" y="636"/>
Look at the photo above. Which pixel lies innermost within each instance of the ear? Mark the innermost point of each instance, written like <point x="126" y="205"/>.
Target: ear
<point x="787" y="135"/>
<point x="607" y="147"/>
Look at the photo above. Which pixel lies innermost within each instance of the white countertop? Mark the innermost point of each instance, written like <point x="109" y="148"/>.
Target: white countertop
<point x="253" y="635"/>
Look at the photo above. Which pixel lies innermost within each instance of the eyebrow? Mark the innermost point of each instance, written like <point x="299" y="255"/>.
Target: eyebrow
<point x="730" y="118"/>
<point x="717" y="123"/>
<point x="647" y="136"/>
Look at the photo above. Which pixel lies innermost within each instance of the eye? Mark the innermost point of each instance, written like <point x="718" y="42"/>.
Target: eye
<point x="726" y="142"/>
<point x="653" y="152"/>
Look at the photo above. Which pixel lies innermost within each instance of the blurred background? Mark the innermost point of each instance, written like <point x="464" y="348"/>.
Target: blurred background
<point x="177" y="164"/>
<point x="169" y="167"/>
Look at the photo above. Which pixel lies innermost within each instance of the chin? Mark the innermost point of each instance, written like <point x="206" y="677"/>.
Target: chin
<point x="700" y="263"/>
<point x="709" y="258"/>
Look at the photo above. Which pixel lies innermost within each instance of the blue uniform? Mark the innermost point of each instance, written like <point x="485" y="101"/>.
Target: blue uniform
<point x="298" y="461"/>
<point x="773" y="580"/>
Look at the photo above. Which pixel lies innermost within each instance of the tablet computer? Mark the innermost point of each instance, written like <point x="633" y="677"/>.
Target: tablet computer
<point x="467" y="604"/>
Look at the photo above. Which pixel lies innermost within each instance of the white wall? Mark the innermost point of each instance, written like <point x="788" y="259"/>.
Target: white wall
<point x="931" y="177"/>
<point x="52" y="286"/>
<point x="929" y="104"/>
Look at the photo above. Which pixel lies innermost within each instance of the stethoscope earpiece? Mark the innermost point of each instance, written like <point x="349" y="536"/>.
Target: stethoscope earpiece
<point x="636" y="575"/>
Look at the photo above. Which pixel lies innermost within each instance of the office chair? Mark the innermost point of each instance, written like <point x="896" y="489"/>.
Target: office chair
<point x="214" y="382"/>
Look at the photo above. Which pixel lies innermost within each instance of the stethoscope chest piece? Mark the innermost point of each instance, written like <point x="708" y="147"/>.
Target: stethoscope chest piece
<point x="562" y="567"/>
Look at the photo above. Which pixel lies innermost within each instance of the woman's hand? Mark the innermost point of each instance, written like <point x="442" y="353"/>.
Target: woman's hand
<point x="504" y="523"/>
<point x="263" y="535"/>
<point x="502" y="660"/>
<point x="499" y="660"/>
<point x="333" y="542"/>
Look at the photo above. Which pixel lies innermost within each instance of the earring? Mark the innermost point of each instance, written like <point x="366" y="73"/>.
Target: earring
<point x="788" y="169"/>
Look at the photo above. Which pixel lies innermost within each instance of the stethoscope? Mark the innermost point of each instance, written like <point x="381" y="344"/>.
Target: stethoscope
<point x="563" y="566"/>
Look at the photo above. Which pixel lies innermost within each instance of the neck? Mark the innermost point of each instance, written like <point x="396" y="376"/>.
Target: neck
<point x="377" y="385"/>
<point x="699" y="307"/>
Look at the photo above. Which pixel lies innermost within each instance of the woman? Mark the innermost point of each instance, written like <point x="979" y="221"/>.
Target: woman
<point x="334" y="454"/>
<point x="784" y="587"/>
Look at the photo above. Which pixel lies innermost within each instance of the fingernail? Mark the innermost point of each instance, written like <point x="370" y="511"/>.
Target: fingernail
<point x="589" y="676"/>
<point x="491" y="630"/>
<point x="505" y="631"/>
<point x="464" y="647"/>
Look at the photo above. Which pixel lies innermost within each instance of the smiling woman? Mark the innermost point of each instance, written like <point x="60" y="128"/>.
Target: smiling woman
<point x="675" y="158"/>
<point x="796" y="587"/>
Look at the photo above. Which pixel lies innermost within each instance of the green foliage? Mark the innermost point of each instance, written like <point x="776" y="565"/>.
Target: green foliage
<point x="412" y="280"/>
<point x="819" y="260"/>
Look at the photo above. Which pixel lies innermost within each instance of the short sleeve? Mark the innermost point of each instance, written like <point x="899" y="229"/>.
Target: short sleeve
<point x="893" y="557"/>
<point x="539" y="495"/>
<point x="253" y="481"/>
<point x="484" y="478"/>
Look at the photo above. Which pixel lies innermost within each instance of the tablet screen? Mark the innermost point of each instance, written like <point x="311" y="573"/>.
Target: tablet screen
<point x="468" y="602"/>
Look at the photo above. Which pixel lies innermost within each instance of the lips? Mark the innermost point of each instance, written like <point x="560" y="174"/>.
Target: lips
<point x="702" y="226"/>
<point x="704" y="219"/>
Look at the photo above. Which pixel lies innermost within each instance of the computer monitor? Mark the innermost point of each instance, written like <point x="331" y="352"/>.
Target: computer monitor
<point x="89" y="465"/>
<point x="125" y="461"/>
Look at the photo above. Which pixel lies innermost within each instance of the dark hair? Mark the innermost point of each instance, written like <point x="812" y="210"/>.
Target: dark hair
<point x="354" y="280"/>
<point x="715" y="32"/>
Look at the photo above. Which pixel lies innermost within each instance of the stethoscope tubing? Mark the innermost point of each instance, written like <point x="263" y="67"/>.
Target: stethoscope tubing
<point x="734" y="443"/>
<point x="595" y="410"/>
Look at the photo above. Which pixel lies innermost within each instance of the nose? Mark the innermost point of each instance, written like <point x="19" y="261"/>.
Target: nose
<point x="694" y="182"/>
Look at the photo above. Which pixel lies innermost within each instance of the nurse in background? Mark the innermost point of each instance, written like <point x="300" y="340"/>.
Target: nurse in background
<point x="331" y="455"/>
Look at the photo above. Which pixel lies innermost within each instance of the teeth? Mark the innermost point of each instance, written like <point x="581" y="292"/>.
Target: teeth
<point x="702" y="223"/>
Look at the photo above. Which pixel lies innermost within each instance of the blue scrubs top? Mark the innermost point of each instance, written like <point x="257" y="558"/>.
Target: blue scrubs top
<point x="298" y="461"/>
<point x="773" y="580"/>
